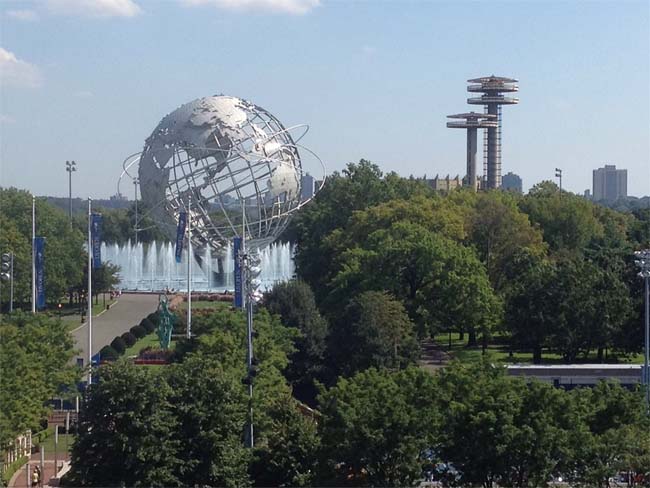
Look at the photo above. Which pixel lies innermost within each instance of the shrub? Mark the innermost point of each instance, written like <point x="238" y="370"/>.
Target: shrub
<point x="129" y="339"/>
<point x="148" y="325"/>
<point x="153" y="317"/>
<point x="138" y="331"/>
<point x="107" y="353"/>
<point x="13" y="467"/>
<point x="119" y="345"/>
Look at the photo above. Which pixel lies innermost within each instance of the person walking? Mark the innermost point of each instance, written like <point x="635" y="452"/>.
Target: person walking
<point x="36" y="477"/>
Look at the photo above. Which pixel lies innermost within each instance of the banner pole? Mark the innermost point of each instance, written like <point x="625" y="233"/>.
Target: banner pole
<point x="189" y="267"/>
<point x="89" y="295"/>
<point x="33" y="254"/>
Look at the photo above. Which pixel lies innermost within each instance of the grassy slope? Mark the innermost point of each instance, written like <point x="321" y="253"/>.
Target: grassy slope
<point x="501" y="354"/>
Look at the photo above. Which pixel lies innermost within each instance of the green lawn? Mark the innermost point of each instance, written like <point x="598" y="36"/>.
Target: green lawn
<point x="501" y="353"/>
<point x="196" y="305"/>
<point x="48" y="444"/>
<point x="148" y="340"/>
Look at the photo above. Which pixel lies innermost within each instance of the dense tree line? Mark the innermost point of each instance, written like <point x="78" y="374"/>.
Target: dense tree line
<point x="383" y="262"/>
<point x="552" y="271"/>
<point x="469" y="425"/>
<point x="65" y="255"/>
<point x="119" y="224"/>
<point x="64" y="252"/>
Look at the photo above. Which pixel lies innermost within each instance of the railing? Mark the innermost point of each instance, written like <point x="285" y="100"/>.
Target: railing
<point x="492" y="99"/>
<point x="472" y="125"/>
<point x="485" y="87"/>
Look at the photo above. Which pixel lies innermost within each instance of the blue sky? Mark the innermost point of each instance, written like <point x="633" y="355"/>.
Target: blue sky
<point x="89" y="80"/>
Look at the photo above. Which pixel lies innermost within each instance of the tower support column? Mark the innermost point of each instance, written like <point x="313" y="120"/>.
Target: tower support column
<point x="471" y="158"/>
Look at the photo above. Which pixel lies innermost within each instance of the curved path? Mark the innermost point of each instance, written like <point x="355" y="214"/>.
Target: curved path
<point x="128" y="311"/>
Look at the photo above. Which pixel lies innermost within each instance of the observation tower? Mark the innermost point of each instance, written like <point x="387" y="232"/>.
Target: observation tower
<point x="472" y="121"/>
<point x="493" y="89"/>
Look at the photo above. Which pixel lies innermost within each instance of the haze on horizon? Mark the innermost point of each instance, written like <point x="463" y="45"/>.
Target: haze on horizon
<point x="89" y="80"/>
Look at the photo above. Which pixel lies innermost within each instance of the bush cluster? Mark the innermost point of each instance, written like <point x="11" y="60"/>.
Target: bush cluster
<point x="154" y="317"/>
<point x="138" y="331"/>
<point x="108" y="353"/>
<point x="148" y="325"/>
<point x="129" y="339"/>
<point x="119" y="345"/>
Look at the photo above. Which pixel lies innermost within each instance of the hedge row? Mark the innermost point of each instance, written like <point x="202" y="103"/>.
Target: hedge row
<point x="120" y="344"/>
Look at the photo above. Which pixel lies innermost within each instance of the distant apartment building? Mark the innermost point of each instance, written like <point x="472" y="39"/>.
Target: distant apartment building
<point x="511" y="182"/>
<point x="609" y="183"/>
<point x="307" y="183"/>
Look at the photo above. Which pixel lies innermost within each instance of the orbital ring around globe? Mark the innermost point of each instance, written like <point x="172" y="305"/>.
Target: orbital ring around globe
<point x="231" y="164"/>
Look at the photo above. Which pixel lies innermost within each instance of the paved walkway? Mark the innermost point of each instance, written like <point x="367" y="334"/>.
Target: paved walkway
<point x="129" y="310"/>
<point x="432" y="357"/>
<point x="19" y="479"/>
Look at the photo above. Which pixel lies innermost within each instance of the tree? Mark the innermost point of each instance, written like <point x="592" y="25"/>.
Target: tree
<point x="442" y="284"/>
<point x="116" y="227"/>
<point x="531" y="314"/>
<point x="498" y="430"/>
<point x="499" y="230"/>
<point x="104" y="279"/>
<point x="289" y="455"/>
<point x="605" y="438"/>
<point x="126" y="431"/>
<point x="11" y="240"/>
<point x="35" y="355"/>
<point x="374" y="331"/>
<point x="375" y="428"/>
<point x="210" y="410"/>
<point x="567" y="221"/>
<point x="294" y="302"/>
<point x="592" y="305"/>
<point x="359" y="186"/>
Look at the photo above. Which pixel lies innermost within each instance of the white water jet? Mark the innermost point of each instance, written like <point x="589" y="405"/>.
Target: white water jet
<point x="153" y="267"/>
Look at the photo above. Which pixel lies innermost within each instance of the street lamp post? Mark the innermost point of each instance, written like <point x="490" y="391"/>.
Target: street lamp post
<point x="642" y="260"/>
<point x="558" y="174"/>
<point x="70" y="166"/>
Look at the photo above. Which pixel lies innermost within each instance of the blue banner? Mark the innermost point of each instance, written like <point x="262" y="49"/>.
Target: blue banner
<point x="180" y="235"/>
<point x="39" y="265"/>
<point x="239" y="302"/>
<point x="96" y="239"/>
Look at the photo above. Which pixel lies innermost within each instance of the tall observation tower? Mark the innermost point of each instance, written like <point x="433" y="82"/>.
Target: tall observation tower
<point x="472" y="121"/>
<point x="492" y="88"/>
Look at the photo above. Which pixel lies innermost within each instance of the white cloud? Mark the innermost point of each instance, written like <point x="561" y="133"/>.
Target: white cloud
<point x="295" y="7"/>
<point x="95" y="8"/>
<point x="24" y="15"/>
<point x="16" y="72"/>
<point x="6" y="120"/>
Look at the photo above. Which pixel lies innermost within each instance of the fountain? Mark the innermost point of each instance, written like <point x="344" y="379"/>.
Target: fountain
<point x="152" y="267"/>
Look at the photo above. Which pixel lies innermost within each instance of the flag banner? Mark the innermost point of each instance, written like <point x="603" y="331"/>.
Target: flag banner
<point x="39" y="266"/>
<point x="239" y="302"/>
<point x="96" y="238"/>
<point x="180" y="235"/>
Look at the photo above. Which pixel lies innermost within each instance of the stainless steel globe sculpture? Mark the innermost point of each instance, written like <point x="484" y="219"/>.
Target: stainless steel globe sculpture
<point x="231" y="163"/>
